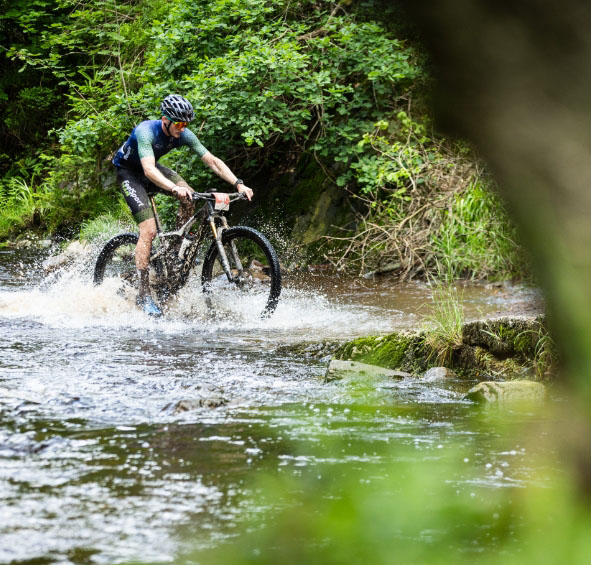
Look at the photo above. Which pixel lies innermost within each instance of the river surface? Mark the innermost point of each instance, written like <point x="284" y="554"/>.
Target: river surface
<point x="124" y="438"/>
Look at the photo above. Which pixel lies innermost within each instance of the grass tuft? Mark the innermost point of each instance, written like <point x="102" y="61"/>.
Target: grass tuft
<point x="107" y="225"/>
<point x="445" y="322"/>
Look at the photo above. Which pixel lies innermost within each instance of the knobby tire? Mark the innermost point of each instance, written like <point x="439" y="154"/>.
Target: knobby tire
<point x="267" y="281"/>
<point x="109" y="251"/>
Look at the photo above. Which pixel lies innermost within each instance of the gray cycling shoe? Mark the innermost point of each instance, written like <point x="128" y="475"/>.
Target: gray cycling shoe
<point x="147" y="304"/>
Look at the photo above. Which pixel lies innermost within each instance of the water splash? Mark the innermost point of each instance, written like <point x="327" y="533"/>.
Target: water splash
<point x="67" y="298"/>
<point x="311" y="307"/>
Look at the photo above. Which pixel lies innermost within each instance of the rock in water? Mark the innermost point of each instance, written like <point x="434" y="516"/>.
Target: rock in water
<point x="338" y="370"/>
<point x="509" y="391"/>
<point x="439" y="374"/>
<point x="190" y="404"/>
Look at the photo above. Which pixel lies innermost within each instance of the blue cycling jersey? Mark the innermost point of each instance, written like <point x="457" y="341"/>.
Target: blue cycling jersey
<point x="148" y="139"/>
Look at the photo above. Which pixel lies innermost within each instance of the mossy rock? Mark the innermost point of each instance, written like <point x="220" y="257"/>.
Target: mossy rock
<point x="404" y="350"/>
<point x="505" y="337"/>
<point x="311" y="349"/>
<point x="338" y="370"/>
<point x="505" y="347"/>
<point x="471" y="361"/>
<point x="509" y="391"/>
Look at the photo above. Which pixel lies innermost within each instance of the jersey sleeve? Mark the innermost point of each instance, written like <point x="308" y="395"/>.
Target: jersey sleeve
<point x="144" y="137"/>
<point x="190" y="139"/>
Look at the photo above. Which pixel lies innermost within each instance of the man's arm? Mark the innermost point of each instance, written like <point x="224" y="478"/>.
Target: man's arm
<point x="153" y="174"/>
<point x="145" y="138"/>
<point x="223" y="171"/>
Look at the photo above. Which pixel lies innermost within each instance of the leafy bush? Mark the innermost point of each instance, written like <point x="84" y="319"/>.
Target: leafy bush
<point x="475" y="239"/>
<point x="430" y="208"/>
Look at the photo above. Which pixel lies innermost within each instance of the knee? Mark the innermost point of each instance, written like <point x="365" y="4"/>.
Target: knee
<point x="147" y="230"/>
<point x="148" y="235"/>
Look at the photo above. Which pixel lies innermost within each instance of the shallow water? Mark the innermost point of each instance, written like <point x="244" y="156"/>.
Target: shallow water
<point x="99" y="463"/>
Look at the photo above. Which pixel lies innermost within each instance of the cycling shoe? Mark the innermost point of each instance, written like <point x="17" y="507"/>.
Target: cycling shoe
<point x="147" y="304"/>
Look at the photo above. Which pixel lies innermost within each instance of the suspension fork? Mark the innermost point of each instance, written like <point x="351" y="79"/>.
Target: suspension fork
<point x="218" y="234"/>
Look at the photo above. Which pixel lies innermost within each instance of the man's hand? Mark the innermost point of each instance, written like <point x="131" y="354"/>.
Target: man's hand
<point x="243" y="188"/>
<point x="182" y="192"/>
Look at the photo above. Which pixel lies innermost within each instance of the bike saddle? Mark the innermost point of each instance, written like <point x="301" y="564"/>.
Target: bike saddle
<point x="147" y="304"/>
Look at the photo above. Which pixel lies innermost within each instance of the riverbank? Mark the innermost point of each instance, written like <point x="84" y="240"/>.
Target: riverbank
<point x="499" y="360"/>
<point x="498" y="348"/>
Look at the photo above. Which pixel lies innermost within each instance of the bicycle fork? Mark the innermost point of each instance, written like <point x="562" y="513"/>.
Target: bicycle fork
<point x="218" y="234"/>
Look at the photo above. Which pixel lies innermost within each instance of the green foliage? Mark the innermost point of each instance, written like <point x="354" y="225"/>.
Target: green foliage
<point x="409" y="509"/>
<point x="21" y="203"/>
<point x="259" y="74"/>
<point x="401" y="157"/>
<point x="39" y="206"/>
<point x="265" y="75"/>
<point x="108" y="224"/>
<point x="475" y="238"/>
<point x="430" y="208"/>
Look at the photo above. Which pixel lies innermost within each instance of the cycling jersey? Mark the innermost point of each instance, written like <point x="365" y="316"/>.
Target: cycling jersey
<point x="149" y="140"/>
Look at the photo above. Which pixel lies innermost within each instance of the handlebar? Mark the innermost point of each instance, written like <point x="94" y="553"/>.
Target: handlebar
<point x="210" y="196"/>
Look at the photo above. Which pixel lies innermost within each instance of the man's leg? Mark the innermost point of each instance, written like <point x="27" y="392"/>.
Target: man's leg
<point x="144" y="244"/>
<point x="142" y="256"/>
<point x="133" y="187"/>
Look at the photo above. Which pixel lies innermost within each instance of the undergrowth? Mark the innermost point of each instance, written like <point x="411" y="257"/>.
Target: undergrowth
<point x="32" y="206"/>
<point x="108" y="224"/>
<point x="445" y="321"/>
<point x="428" y="207"/>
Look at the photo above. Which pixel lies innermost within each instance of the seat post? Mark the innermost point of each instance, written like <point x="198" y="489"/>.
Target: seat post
<point x="156" y="217"/>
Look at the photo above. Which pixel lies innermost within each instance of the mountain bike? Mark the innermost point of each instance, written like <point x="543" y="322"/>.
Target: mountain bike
<point x="240" y="263"/>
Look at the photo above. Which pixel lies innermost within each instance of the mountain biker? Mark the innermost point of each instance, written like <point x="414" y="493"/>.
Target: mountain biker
<point x="139" y="175"/>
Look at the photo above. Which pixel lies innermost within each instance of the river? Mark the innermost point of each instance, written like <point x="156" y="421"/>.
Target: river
<point x="99" y="463"/>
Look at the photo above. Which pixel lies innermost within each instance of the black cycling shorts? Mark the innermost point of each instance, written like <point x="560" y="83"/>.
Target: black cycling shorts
<point x="137" y="188"/>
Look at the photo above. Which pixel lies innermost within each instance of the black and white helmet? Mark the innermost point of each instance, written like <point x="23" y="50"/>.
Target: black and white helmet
<point x="177" y="108"/>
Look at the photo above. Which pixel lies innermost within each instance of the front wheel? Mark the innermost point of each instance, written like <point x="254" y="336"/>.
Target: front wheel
<point x="117" y="260"/>
<point x="254" y="284"/>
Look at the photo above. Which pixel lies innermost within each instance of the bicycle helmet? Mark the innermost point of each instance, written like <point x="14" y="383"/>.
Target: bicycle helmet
<point x="177" y="109"/>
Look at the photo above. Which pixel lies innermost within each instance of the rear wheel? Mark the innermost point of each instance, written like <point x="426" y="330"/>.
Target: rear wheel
<point x="255" y="283"/>
<point x="117" y="261"/>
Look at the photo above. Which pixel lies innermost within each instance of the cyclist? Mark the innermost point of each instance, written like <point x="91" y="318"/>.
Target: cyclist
<point x="140" y="175"/>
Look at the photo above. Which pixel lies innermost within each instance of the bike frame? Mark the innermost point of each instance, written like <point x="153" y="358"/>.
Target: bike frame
<point x="187" y="253"/>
